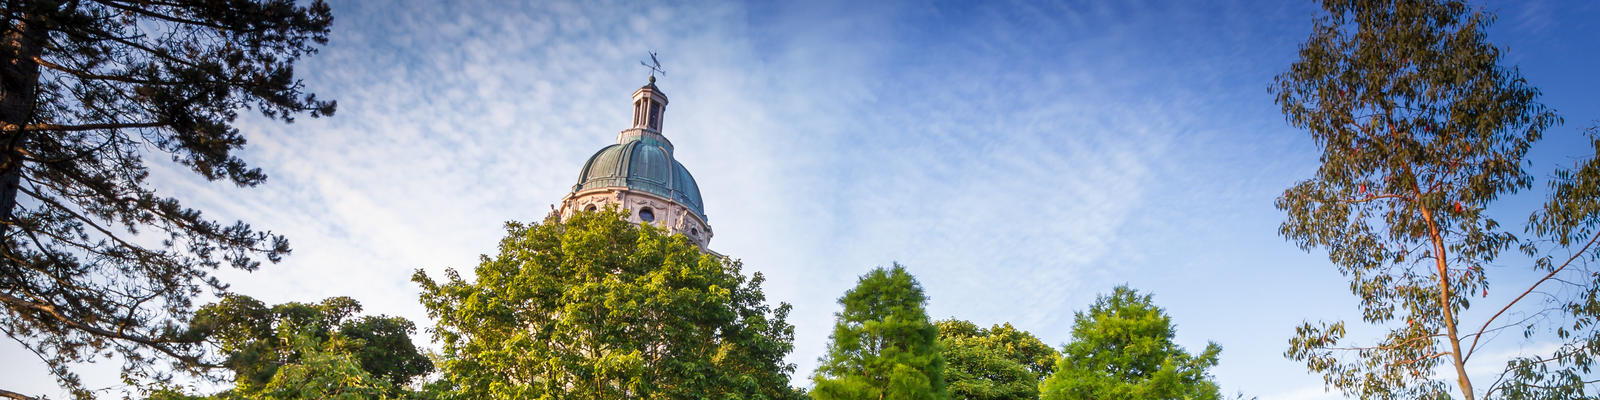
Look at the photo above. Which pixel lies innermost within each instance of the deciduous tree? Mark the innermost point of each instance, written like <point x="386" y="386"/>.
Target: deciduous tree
<point x="256" y="342"/>
<point x="92" y="258"/>
<point x="999" y="362"/>
<point x="883" y="346"/>
<point x="320" y="369"/>
<point x="304" y="351"/>
<point x="1421" y="129"/>
<point x="595" y="307"/>
<point x="1122" y="348"/>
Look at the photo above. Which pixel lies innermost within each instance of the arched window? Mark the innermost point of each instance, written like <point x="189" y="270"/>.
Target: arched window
<point x="638" y="113"/>
<point x="694" y="232"/>
<point x="655" y="115"/>
<point x="647" y="215"/>
<point x="591" y="208"/>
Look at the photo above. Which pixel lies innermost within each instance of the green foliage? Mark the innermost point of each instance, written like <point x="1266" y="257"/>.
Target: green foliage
<point x="93" y="260"/>
<point x="1567" y="221"/>
<point x="1000" y="362"/>
<point x="327" y="370"/>
<point x="386" y="351"/>
<point x="1122" y="349"/>
<point x="168" y="393"/>
<point x="595" y="307"/>
<point x="1421" y="129"/>
<point x="883" y="346"/>
<point x="321" y="369"/>
<point x="298" y="350"/>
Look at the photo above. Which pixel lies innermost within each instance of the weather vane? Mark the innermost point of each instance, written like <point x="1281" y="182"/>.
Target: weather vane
<point x="654" y="65"/>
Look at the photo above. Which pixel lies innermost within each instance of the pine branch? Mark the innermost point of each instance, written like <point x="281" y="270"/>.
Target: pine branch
<point x="82" y="74"/>
<point x="58" y="316"/>
<point x="14" y="395"/>
<point x="163" y="17"/>
<point x="11" y="128"/>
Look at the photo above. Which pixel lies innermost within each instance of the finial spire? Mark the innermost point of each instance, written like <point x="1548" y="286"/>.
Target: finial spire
<point x="655" y="66"/>
<point x="648" y="102"/>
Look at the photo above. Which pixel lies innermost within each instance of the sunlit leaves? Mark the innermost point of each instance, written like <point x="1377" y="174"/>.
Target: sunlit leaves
<point x="326" y="342"/>
<point x="1122" y="348"/>
<point x="999" y="362"/>
<point x="596" y="307"/>
<point x="883" y="346"/>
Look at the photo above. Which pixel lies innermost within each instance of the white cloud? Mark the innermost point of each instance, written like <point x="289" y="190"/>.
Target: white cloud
<point x="1019" y="158"/>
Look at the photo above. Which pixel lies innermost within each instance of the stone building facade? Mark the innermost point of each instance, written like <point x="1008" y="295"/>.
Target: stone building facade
<point x="640" y="175"/>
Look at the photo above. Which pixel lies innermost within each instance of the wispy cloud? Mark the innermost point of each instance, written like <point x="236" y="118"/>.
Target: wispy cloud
<point x="1018" y="157"/>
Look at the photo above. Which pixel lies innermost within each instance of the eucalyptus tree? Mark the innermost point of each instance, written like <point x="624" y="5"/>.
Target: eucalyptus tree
<point x="1421" y="129"/>
<point x="92" y="259"/>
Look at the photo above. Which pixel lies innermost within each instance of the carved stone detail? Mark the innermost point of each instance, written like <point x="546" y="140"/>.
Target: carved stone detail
<point x="671" y="216"/>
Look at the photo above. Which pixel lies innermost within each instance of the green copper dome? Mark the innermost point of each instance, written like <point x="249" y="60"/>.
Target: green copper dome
<point x="642" y="164"/>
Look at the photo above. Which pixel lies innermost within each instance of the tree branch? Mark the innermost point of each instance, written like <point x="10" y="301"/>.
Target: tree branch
<point x="1398" y="345"/>
<point x="1575" y="255"/>
<point x="14" y="395"/>
<point x="160" y="16"/>
<point x="90" y="75"/>
<point x="156" y="344"/>
<point x="1373" y="197"/>
<point x="1424" y="358"/>
<point x="9" y="128"/>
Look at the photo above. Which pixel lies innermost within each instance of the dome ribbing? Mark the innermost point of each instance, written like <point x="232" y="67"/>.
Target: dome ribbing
<point x="642" y="164"/>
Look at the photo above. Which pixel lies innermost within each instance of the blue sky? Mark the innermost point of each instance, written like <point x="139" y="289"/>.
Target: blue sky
<point x="1018" y="157"/>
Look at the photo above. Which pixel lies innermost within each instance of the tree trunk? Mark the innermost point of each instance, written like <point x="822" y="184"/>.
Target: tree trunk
<point x="1444" y="304"/>
<point x="19" y="85"/>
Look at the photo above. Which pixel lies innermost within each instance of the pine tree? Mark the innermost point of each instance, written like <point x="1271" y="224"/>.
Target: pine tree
<point x="92" y="259"/>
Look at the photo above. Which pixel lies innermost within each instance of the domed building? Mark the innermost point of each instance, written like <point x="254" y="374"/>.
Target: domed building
<point x="640" y="175"/>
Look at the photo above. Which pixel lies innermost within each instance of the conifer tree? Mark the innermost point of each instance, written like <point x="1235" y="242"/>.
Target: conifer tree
<point x="1122" y="348"/>
<point x="92" y="259"/>
<point x="883" y="346"/>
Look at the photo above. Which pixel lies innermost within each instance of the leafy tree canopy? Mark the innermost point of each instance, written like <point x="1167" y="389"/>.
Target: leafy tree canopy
<point x="883" y="346"/>
<point x="595" y="307"/>
<point x="306" y="351"/>
<point x="88" y="88"/>
<point x="999" y="362"/>
<point x="324" y="370"/>
<point x="1122" y="348"/>
<point x="1421" y="130"/>
<point x="259" y="341"/>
